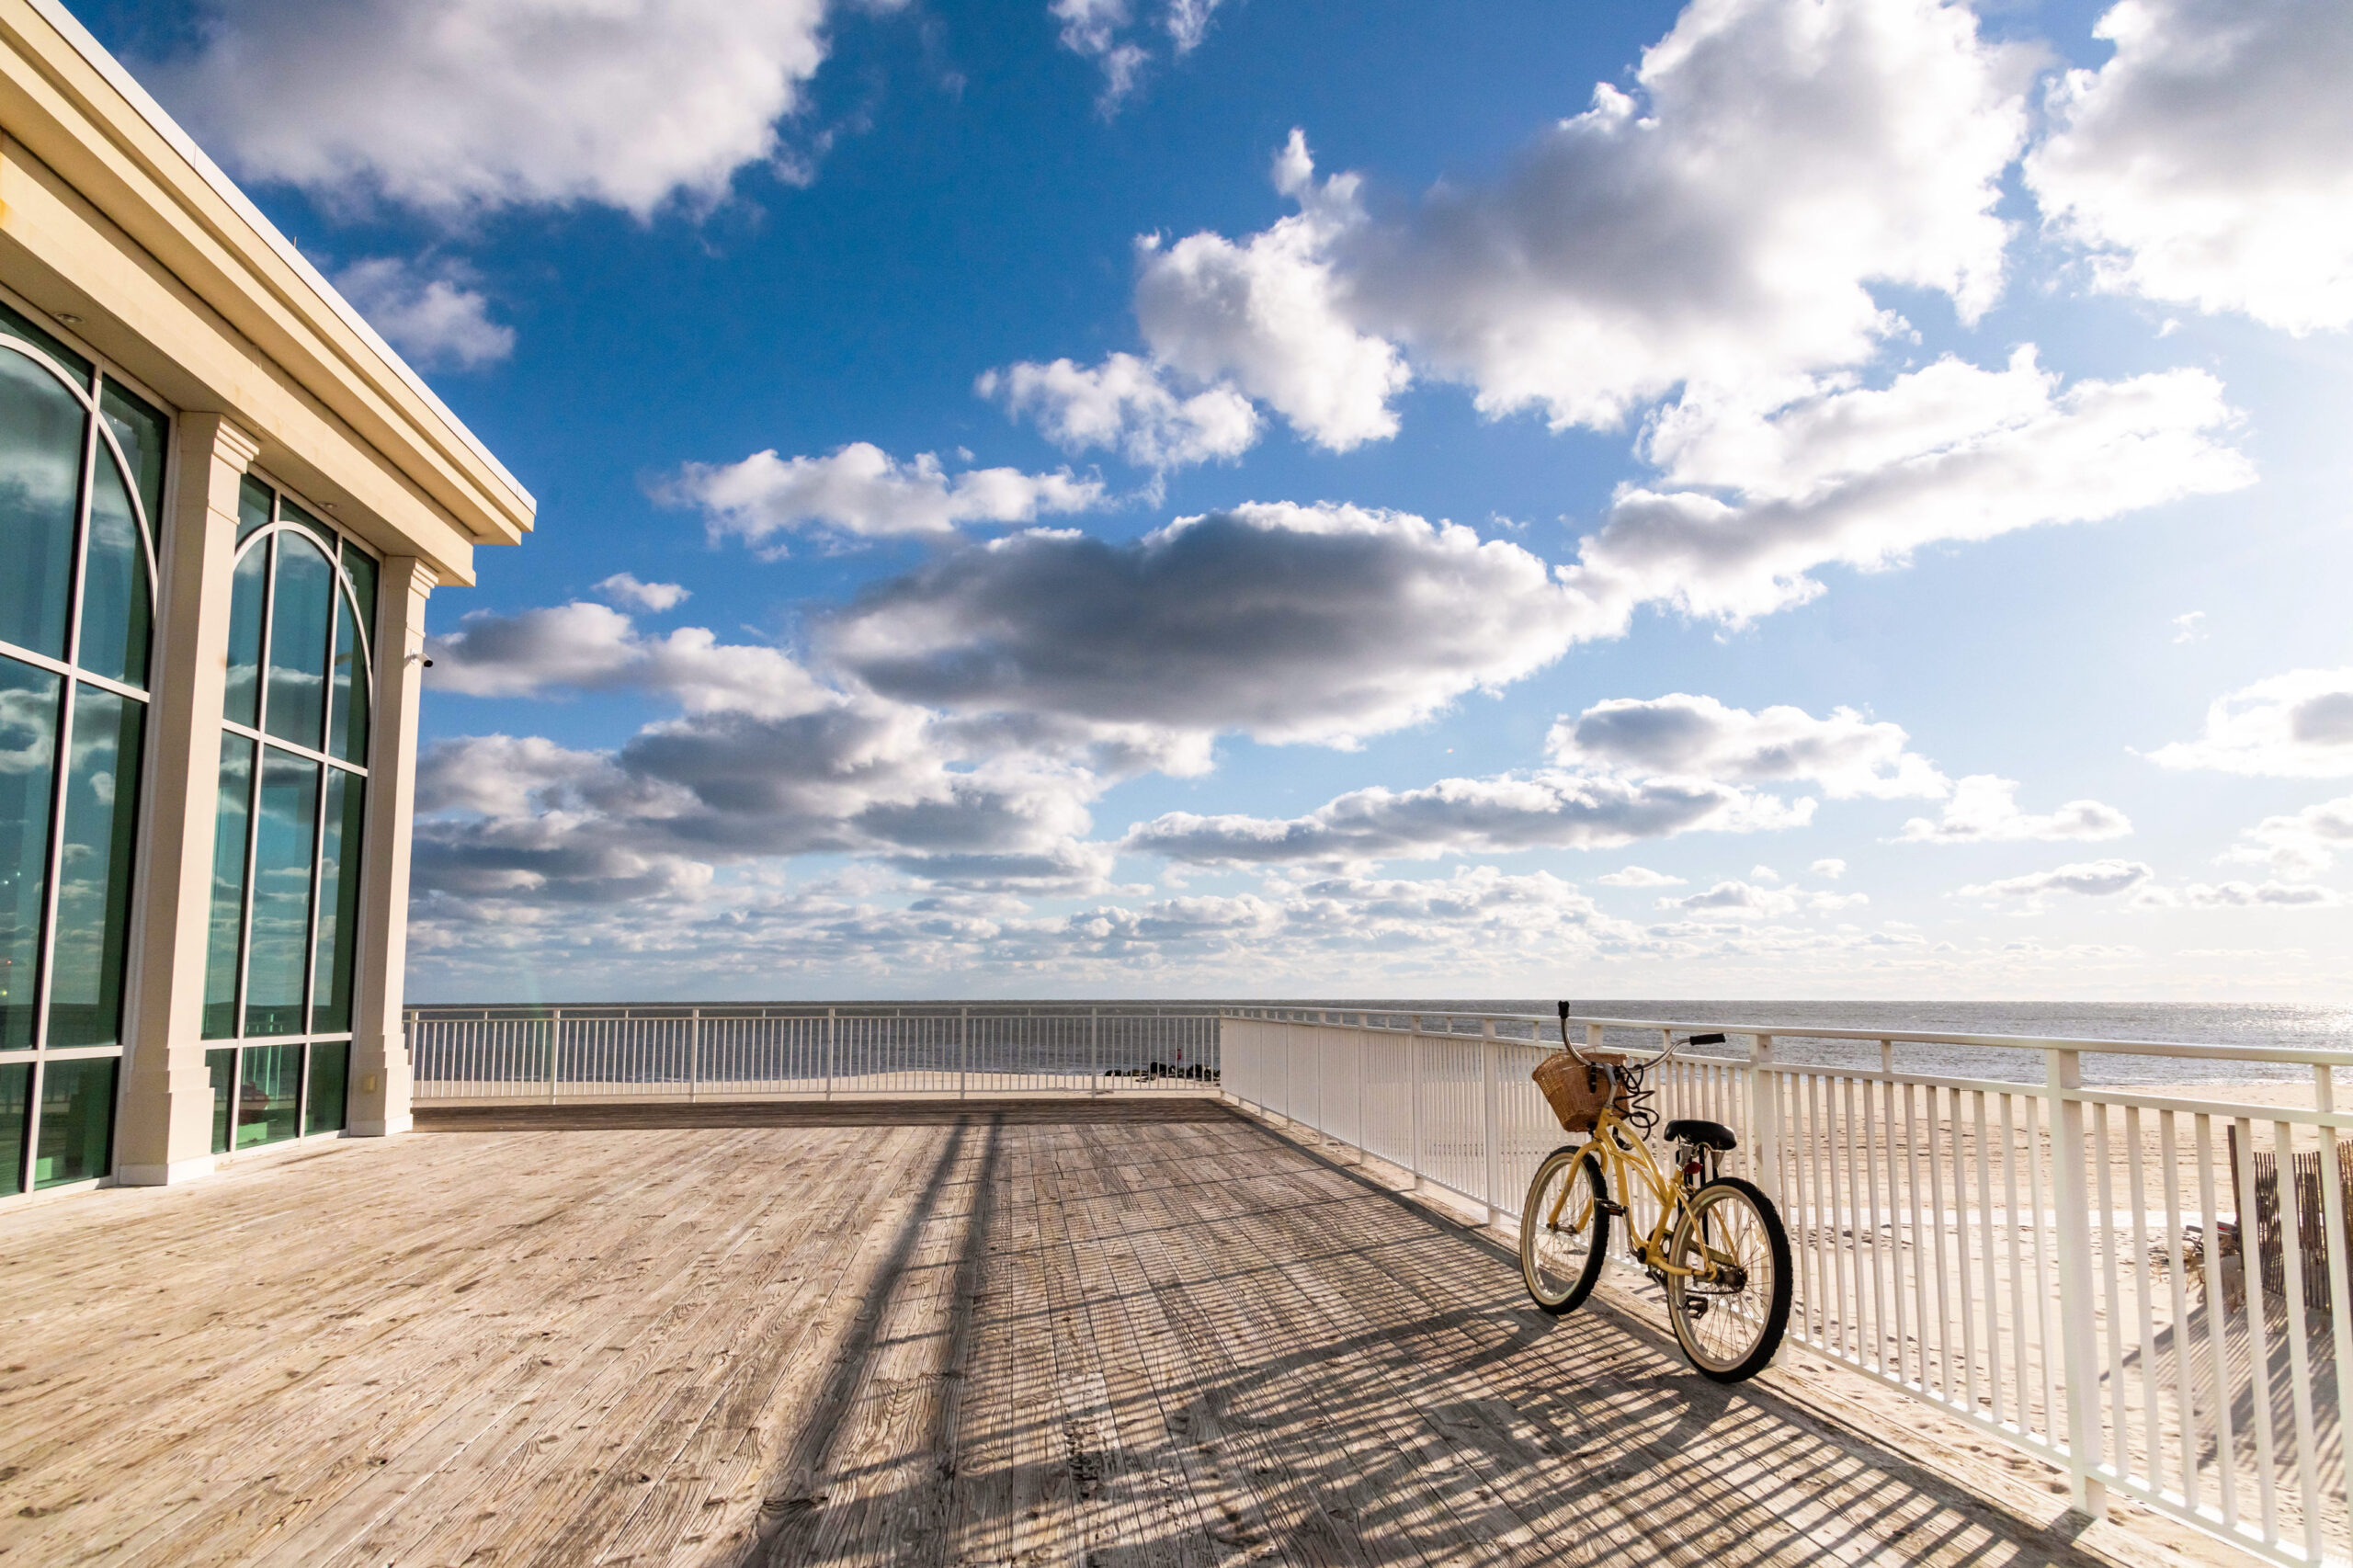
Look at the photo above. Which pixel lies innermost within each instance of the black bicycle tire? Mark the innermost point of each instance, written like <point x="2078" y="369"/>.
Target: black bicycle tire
<point x="1595" y="1258"/>
<point x="1777" y="1316"/>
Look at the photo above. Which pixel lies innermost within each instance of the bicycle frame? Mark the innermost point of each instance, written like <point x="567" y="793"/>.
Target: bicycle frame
<point x="1620" y="1152"/>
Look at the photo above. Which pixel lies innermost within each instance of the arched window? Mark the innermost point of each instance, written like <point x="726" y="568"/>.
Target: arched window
<point x="294" y="746"/>
<point x="82" y="460"/>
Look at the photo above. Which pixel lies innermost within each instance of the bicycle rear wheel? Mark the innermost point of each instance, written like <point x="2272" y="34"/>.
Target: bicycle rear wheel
<point x="1564" y="1230"/>
<point x="1730" y="1314"/>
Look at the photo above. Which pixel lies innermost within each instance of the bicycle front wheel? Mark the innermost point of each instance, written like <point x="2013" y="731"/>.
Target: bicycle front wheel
<point x="1730" y="1312"/>
<point x="1564" y="1230"/>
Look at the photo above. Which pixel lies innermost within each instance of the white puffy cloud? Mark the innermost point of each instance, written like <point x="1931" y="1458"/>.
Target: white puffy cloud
<point x="2300" y="845"/>
<point x="2190" y="627"/>
<point x="2205" y="162"/>
<point x="1287" y="623"/>
<point x="1744" y="900"/>
<point x="1833" y="870"/>
<point x="1845" y="754"/>
<point x="654" y="597"/>
<point x="2255" y="895"/>
<point x="474" y="104"/>
<point x="589" y="647"/>
<point x="1722" y="226"/>
<point x="1106" y="31"/>
<point x="1985" y="809"/>
<point x="432" y="315"/>
<point x="1864" y="477"/>
<point x="2297" y="725"/>
<point x="1268" y="313"/>
<point x="1499" y="815"/>
<point x="861" y="490"/>
<point x="2091" y="878"/>
<point x="1639" y="877"/>
<point x="1126" y="403"/>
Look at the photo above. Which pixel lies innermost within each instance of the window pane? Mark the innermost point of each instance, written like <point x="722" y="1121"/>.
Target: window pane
<point x="324" y="1108"/>
<point x="28" y="701"/>
<point x="40" y="488"/>
<point x="338" y="902"/>
<point x="117" y="610"/>
<point x="241" y="696"/>
<point x="142" y="431"/>
<point x="363" y="569"/>
<point x="348" y="717"/>
<point x="228" y="888"/>
<point x="93" y="896"/>
<point x="222" y="1065"/>
<point x="268" y="1101"/>
<point x="76" y="1122"/>
<point x="16" y="1101"/>
<point x="285" y="832"/>
<point x="255" y="501"/>
<point x="14" y="323"/>
<point x="289" y="512"/>
<point x="300" y="606"/>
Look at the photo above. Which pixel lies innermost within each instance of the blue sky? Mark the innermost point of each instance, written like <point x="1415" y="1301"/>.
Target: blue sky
<point x="1775" y="497"/>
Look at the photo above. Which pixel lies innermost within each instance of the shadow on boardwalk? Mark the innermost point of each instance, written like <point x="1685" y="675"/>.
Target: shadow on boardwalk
<point x="993" y="1339"/>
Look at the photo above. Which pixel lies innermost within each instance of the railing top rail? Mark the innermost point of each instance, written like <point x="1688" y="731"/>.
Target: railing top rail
<point x="2300" y="1055"/>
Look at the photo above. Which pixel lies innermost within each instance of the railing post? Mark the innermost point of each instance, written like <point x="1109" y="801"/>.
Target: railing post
<point x="830" y="1023"/>
<point x="1095" y="1084"/>
<point x="1494" y="1138"/>
<point x="1764" y="1118"/>
<point x="556" y="1048"/>
<point x="1361" y="1056"/>
<point x="694" y="1054"/>
<point x="2078" y="1346"/>
<point x="963" y="1050"/>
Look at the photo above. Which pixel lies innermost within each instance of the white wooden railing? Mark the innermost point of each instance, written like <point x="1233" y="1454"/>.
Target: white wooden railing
<point x="2057" y="1264"/>
<point x="493" y="1055"/>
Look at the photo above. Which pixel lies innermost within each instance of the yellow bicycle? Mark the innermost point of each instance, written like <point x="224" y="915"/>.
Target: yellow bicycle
<point x="1718" y="1247"/>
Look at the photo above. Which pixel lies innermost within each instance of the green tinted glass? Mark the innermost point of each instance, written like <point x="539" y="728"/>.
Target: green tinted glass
<point x="220" y="1066"/>
<point x="338" y="902"/>
<point x="16" y="1104"/>
<point x="323" y="1096"/>
<point x="256" y="503"/>
<point x="41" y="493"/>
<point x="28" y="704"/>
<point x="278" y="948"/>
<point x="364" y="571"/>
<point x="269" y="1096"/>
<point x="117" y="611"/>
<point x="143" y="434"/>
<point x="228" y="924"/>
<point x="16" y="324"/>
<point x="93" y="898"/>
<point x="301" y="610"/>
<point x="348" y="708"/>
<point x="240" y="694"/>
<point x="76" y="1122"/>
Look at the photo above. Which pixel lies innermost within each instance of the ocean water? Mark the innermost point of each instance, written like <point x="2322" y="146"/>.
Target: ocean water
<point x="2218" y="1023"/>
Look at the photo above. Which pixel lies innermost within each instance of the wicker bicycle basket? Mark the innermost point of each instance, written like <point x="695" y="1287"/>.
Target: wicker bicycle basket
<point x="1575" y="1091"/>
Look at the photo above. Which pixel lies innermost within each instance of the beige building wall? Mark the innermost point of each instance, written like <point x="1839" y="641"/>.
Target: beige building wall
<point x="115" y="227"/>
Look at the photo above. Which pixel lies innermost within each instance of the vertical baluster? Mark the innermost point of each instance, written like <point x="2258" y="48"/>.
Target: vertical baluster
<point x="2062" y="1114"/>
<point x="1939" y="1142"/>
<point x="2105" y="1233"/>
<point x="2145" y="1295"/>
<point x="2258" y="1327"/>
<point x="2042" y="1240"/>
<point x="1914" y="1253"/>
<point x="1841" y="1219"/>
<point x="2300" y="1371"/>
<point x="2332" y="1242"/>
<point x="1490" y="1117"/>
<point x="2184" y="1366"/>
<point x="2021" y="1368"/>
<point x="1989" y="1257"/>
<point x="1826" y="1210"/>
<point x="2218" y="1313"/>
<point x="1874" y="1160"/>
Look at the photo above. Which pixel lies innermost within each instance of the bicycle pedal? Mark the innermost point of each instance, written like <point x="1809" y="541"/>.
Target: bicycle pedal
<point x="1608" y="1206"/>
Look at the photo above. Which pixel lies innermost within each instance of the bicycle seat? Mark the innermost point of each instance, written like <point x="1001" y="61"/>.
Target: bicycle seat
<point x="1707" y="1134"/>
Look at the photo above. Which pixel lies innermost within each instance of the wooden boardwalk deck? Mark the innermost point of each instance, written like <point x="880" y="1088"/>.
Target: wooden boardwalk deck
<point x="1112" y="1337"/>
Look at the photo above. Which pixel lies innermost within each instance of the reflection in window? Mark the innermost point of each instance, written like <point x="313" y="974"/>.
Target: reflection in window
<point x="322" y="1097"/>
<point x="15" y="1108"/>
<point x="29" y="702"/>
<point x="269" y="1100"/>
<point x="76" y="1121"/>
<point x="301" y="604"/>
<point x="220" y="1066"/>
<point x="116" y="600"/>
<point x="94" y="884"/>
<point x="287" y="844"/>
<point x="228" y="921"/>
<point x="41" y="487"/>
<point x="278" y="939"/>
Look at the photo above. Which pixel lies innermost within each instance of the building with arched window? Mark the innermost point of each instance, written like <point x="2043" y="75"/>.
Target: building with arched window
<point x="223" y="502"/>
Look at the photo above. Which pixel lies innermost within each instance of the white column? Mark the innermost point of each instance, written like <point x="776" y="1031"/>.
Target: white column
<point x="164" y="1132"/>
<point x="380" y="1065"/>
